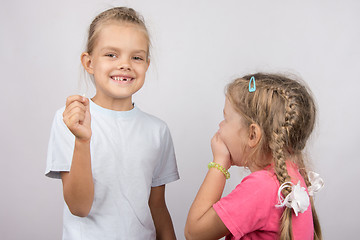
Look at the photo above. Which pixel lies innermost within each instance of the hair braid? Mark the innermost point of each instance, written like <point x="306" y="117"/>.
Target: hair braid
<point x="282" y="140"/>
<point x="292" y="115"/>
<point x="317" y="227"/>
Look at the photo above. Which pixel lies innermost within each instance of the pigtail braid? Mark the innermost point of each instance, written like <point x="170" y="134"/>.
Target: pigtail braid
<point x="280" y="143"/>
<point x="316" y="222"/>
<point x="280" y="140"/>
<point x="276" y="145"/>
<point x="283" y="176"/>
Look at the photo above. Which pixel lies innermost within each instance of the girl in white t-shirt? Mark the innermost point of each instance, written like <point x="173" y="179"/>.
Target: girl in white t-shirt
<point x="114" y="160"/>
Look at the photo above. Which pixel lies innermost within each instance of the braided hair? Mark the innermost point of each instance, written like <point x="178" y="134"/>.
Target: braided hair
<point x="285" y="111"/>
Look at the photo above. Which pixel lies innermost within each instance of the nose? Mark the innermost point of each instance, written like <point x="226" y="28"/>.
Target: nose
<point x="124" y="65"/>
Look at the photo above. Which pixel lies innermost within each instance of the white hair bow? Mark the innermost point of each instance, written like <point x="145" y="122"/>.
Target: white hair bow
<point x="316" y="181"/>
<point x="298" y="199"/>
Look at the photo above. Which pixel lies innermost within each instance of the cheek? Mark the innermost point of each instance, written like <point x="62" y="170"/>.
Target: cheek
<point x="99" y="68"/>
<point x="140" y="68"/>
<point x="226" y="135"/>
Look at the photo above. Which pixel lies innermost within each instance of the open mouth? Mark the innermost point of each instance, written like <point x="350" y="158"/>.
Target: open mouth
<point x="122" y="79"/>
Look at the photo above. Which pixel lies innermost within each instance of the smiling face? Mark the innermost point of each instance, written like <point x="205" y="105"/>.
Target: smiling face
<point x="118" y="62"/>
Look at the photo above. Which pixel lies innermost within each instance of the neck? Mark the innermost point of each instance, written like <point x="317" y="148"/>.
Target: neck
<point x="114" y="104"/>
<point x="265" y="161"/>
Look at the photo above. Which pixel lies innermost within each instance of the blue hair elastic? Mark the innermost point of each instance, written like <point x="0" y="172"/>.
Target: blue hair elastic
<point x="252" y="88"/>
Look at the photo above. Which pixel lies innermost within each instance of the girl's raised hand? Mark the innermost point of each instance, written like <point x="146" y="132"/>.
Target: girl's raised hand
<point x="220" y="151"/>
<point x="77" y="117"/>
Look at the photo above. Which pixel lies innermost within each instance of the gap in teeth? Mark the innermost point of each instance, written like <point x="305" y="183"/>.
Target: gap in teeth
<point x="121" y="79"/>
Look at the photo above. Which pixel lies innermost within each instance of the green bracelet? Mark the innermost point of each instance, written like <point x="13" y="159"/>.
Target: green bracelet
<point x="221" y="168"/>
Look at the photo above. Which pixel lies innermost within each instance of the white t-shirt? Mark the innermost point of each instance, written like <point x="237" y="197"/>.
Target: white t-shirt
<point x="131" y="151"/>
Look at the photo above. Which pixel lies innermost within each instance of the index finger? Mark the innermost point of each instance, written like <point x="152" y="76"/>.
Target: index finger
<point x="74" y="98"/>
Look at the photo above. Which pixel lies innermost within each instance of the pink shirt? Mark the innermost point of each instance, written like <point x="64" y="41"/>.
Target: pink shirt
<point x="249" y="211"/>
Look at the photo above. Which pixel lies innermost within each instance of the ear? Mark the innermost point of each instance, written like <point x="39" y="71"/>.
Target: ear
<point x="86" y="62"/>
<point x="148" y="64"/>
<point x="254" y="135"/>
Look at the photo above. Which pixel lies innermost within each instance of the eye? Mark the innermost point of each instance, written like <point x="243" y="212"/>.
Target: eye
<point x="111" y="55"/>
<point x="138" y="58"/>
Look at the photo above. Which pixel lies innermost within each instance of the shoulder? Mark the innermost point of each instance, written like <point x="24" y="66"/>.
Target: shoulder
<point x="267" y="179"/>
<point x="260" y="184"/>
<point x="258" y="189"/>
<point x="248" y="207"/>
<point x="151" y="117"/>
<point x="152" y="120"/>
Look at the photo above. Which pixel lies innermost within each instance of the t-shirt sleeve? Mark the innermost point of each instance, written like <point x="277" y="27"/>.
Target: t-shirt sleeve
<point x="166" y="170"/>
<point x="247" y="207"/>
<point x="60" y="148"/>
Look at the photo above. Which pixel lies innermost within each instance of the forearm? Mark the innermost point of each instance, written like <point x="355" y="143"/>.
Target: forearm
<point x="213" y="185"/>
<point x="160" y="214"/>
<point x="163" y="224"/>
<point x="201" y="214"/>
<point x="78" y="183"/>
<point x="203" y="222"/>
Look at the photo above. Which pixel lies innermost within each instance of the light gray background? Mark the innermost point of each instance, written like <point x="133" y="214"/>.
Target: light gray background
<point x="199" y="46"/>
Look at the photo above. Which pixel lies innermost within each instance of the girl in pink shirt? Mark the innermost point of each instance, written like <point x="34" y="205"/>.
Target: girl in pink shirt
<point x="267" y="121"/>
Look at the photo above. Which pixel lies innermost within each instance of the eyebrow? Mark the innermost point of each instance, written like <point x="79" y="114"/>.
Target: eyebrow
<point x="119" y="50"/>
<point x="109" y="49"/>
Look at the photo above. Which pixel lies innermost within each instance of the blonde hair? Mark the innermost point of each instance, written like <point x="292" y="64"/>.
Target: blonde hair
<point x="285" y="112"/>
<point x="119" y="15"/>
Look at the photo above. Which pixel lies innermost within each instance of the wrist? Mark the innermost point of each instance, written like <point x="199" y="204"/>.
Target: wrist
<point x="82" y="140"/>
<point x="224" y="162"/>
<point x="220" y="168"/>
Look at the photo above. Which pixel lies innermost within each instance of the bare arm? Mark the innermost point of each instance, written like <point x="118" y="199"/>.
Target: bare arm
<point x="160" y="214"/>
<point x="203" y="222"/>
<point x="78" y="186"/>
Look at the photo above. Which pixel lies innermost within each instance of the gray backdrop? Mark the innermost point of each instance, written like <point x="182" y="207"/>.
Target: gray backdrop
<point x="198" y="47"/>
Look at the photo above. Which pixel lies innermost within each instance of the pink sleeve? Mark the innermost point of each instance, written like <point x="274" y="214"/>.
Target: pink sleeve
<point x="247" y="207"/>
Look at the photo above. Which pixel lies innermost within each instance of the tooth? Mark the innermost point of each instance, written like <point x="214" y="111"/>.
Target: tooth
<point x="123" y="79"/>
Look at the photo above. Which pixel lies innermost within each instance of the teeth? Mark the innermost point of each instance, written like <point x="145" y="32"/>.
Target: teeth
<point x="121" y="79"/>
